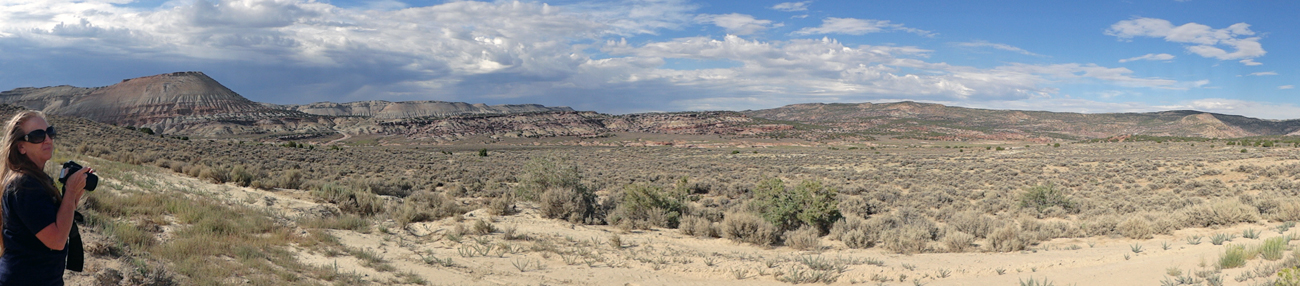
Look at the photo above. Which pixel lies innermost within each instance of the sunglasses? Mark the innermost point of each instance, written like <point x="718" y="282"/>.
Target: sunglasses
<point x="39" y="135"/>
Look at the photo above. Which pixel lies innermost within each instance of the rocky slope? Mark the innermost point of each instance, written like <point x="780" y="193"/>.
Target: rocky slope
<point x="412" y="109"/>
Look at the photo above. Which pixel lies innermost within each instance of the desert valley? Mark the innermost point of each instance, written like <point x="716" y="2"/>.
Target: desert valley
<point x="203" y="186"/>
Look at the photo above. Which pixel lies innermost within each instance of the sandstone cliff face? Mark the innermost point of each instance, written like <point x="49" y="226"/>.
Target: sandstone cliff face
<point x="412" y="109"/>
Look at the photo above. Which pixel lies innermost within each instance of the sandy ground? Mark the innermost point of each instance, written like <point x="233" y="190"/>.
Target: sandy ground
<point x="552" y="252"/>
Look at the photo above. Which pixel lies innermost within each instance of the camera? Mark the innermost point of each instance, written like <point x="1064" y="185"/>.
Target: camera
<point x="72" y="167"/>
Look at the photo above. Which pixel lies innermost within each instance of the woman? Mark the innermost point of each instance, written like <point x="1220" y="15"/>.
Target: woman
<point x="36" y="218"/>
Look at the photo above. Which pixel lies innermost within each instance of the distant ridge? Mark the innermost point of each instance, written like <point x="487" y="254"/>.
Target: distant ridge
<point x="939" y="122"/>
<point x="412" y="109"/>
<point x="193" y="104"/>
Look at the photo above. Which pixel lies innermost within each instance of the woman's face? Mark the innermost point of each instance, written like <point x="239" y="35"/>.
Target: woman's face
<point x="39" y="153"/>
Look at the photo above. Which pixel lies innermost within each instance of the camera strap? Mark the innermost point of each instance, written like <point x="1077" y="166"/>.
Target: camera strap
<point x="76" y="254"/>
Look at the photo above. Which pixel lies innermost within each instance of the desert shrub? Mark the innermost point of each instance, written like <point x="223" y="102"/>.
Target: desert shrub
<point x="745" y="227"/>
<point x="291" y="179"/>
<point x="502" y="205"/>
<point x="214" y="175"/>
<point x="425" y="206"/>
<point x="957" y="241"/>
<point x="1288" y="210"/>
<point x="643" y="206"/>
<point x="573" y="204"/>
<point x="805" y="238"/>
<point x="241" y="175"/>
<point x="906" y="239"/>
<point x="972" y="222"/>
<point x="1219" y="213"/>
<point x="853" y="232"/>
<point x="1042" y="197"/>
<point x="1100" y="225"/>
<point x="1135" y="227"/>
<point x="1007" y="239"/>
<point x="543" y="174"/>
<point x="858" y="206"/>
<point x="698" y="227"/>
<point x="482" y="227"/>
<point x="349" y="200"/>
<point x="900" y="218"/>
<point x="809" y="203"/>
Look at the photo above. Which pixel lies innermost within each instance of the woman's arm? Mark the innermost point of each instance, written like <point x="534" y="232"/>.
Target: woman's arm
<point x="55" y="236"/>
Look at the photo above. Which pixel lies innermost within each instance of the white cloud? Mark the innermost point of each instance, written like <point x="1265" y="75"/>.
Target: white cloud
<point x="791" y="6"/>
<point x="1201" y="39"/>
<point x="1250" y="62"/>
<point x="1263" y="73"/>
<point x="1004" y="47"/>
<point x="1286" y="87"/>
<point x="739" y="24"/>
<point x="853" y="26"/>
<point x="527" y="52"/>
<point x="1149" y="57"/>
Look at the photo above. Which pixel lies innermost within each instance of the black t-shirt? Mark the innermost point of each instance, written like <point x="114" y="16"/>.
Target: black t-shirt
<point x="28" y="208"/>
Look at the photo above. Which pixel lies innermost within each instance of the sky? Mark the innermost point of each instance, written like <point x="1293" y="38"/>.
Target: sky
<point x="628" y="56"/>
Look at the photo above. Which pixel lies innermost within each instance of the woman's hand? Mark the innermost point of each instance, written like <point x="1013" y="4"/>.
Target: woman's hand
<point x="55" y="235"/>
<point x="75" y="187"/>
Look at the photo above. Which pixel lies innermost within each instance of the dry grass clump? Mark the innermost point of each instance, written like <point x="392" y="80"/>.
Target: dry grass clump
<point x="746" y="227"/>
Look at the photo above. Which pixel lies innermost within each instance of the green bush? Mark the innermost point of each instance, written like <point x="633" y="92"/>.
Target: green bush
<point x="809" y="203"/>
<point x="644" y="206"/>
<point x="1235" y="256"/>
<point x="544" y="173"/>
<point x="1273" y="248"/>
<point x="1045" y="196"/>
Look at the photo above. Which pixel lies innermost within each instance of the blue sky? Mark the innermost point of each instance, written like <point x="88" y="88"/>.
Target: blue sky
<point x="1235" y="57"/>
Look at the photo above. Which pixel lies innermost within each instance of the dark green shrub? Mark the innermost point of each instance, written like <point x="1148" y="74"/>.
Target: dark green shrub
<point x="644" y="206"/>
<point x="1045" y="196"/>
<point x="809" y="203"/>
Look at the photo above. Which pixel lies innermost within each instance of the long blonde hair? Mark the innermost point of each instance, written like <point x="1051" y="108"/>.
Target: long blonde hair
<point x="15" y="164"/>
